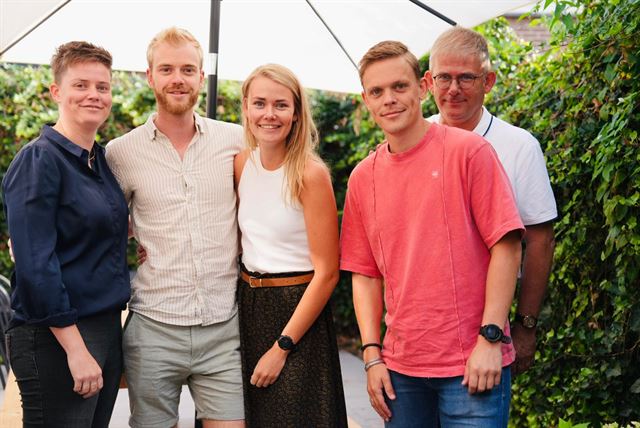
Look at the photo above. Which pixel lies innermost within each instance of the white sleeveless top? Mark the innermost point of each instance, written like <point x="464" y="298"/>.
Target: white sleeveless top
<point x="274" y="236"/>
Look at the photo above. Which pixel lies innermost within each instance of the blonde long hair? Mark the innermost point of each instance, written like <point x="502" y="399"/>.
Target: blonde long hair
<point x="302" y="141"/>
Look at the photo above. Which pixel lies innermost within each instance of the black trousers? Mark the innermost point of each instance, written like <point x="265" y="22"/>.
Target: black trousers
<point x="45" y="382"/>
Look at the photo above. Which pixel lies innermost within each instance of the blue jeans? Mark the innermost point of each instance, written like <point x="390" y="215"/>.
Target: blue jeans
<point x="46" y="386"/>
<point x="433" y="402"/>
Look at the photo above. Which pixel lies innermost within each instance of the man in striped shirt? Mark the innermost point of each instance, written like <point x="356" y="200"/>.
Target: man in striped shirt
<point x="176" y="172"/>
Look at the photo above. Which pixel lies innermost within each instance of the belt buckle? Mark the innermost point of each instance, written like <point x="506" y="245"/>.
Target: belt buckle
<point x="256" y="284"/>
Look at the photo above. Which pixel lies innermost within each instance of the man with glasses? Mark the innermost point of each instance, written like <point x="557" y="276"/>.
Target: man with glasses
<point x="419" y="215"/>
<point x="459" y="76"/>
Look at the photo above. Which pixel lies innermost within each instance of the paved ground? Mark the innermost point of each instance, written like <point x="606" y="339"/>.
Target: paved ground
<point x="353" y="377"/>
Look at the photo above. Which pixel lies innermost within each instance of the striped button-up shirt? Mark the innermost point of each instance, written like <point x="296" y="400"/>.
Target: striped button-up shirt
<point x="184" y="215"/>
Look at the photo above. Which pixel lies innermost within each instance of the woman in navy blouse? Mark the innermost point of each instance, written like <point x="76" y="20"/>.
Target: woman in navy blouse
<point x="67" y="220"/>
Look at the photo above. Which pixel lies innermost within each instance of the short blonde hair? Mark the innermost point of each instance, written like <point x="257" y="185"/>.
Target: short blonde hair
<point x="174" y="36"/>
<point x="302" y="141"/>
<point x="385" y="50"/>
<point x="461" y="42"/>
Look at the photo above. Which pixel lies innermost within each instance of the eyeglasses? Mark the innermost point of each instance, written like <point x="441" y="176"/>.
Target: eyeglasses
<point x="465" y="80"/>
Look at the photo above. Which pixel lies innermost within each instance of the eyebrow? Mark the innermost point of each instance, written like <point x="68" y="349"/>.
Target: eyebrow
<point x="280" y="100"/>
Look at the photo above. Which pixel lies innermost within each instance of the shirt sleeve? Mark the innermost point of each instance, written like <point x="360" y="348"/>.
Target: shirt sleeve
<point x="492" y="201"/>
<point x="31" y="192"/>
<point x="356" y="254"/>
<point x="534" y="195"/>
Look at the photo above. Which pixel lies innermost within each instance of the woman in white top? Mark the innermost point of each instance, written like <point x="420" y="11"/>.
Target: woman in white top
<point x="288" y="221"/>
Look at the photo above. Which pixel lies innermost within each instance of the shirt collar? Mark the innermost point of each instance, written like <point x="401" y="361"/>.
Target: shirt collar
<point x="152" y="130"/>
<point x="57" y="138"/>
<point x="483" y="125"/>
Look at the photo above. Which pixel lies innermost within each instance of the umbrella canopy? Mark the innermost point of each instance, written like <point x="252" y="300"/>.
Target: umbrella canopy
<point x="288" y="32"/>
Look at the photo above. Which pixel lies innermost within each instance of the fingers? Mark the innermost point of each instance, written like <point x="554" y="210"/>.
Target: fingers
<point x="262" y="380"/>
<point x="88" y="387"/>
<point x="478" y="381"/>
<point x="379" y="384"/>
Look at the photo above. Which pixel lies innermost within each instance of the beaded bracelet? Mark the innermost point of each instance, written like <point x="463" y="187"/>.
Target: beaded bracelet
<point x="372" y="363"/>
<point x="366" y="345"/>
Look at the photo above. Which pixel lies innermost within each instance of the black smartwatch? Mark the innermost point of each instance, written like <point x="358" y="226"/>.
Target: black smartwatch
<point x="494" y="334"/>
<point x="286" y="343"/>
<point x="527" y="321"/>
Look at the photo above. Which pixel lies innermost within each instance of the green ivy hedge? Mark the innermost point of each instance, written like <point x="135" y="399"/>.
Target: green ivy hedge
<point x="581" y="97"/>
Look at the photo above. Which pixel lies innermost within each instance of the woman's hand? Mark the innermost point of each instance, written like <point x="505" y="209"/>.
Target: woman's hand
<point x="141" y="254"/>
<point x="86" y="373"/>
<point x="269" y="367"/>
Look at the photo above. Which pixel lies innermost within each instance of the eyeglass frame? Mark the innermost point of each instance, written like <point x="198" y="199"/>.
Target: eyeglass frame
<point x="468" y="84"/>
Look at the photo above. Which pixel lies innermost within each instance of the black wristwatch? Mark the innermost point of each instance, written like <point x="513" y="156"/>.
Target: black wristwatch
<point x="286" y="343"/>
<point x="527" y="321"/>
<point x="494" y="334"/>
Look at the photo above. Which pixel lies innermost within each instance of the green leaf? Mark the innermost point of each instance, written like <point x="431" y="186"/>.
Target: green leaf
<point x="610" y="72"/>
<point x="635" y="388"/>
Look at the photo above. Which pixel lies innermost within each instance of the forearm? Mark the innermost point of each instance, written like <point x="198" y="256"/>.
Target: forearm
<point x="538" y="258"/>
<point x="368" y="305"/>
<point x="313" y="301"/>
<point x="501" y="279"/>
<point x="69" y="338"/>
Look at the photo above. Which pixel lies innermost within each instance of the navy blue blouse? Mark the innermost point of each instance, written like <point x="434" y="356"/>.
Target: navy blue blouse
<point x="68" y="225"/>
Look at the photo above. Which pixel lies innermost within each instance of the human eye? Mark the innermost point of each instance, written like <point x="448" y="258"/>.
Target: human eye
<point x="467" y="78"/>
<point x="258" y="103"/>
<point x="375" y="92"/>
<point x="282" y="106"/>
<point x="104" y="88"/>
<point x="400" y="86"/>
<point x="189" y="70"/>
<point x="164" y="69"/>
<point x="80" y="85"/>
<point x="444" y="78"/>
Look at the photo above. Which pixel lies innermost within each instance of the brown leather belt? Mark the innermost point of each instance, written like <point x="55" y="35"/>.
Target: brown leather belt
<point x="276" y="282"/>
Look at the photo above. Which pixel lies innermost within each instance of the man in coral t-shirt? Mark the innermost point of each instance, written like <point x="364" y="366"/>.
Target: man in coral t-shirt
<point x="430" y="212"/>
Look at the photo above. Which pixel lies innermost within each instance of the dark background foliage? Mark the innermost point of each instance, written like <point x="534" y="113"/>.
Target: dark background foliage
<point x="580" y="96"/>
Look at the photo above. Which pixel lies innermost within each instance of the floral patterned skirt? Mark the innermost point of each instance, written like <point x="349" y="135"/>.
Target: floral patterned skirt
<point x="308" y="392"/>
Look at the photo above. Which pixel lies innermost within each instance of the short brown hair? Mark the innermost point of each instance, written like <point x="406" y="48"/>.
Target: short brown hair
<point x="385" y="50"/>
<point x="174" y="36"/>
<point x="461" y="42"/>
<point x="76" y="52"/>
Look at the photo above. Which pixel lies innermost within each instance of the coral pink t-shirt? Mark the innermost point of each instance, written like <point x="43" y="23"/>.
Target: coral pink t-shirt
<point x="424" y="220"/>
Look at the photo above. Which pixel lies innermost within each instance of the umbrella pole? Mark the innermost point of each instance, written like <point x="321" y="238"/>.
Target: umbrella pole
<point x="212" y="78"/>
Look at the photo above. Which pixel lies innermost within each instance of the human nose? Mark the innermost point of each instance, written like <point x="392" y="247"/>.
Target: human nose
<point x="94" y="93"/>
<point x="270" y="112"/>
<point x="177" y="77"/>
<point x="389" y="97"/>
<point x="454" y="85"/>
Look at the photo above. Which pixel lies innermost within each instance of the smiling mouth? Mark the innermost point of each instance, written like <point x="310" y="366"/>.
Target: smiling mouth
<point x="392" y="113"/>
<point x="269" y="126"/>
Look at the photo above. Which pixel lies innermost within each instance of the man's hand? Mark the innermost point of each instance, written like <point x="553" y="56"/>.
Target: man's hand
<point x="379" y="384"/>
<point x="269" y="367"/>
<point x="484" y="367"/>
<point x="524" y="340"/>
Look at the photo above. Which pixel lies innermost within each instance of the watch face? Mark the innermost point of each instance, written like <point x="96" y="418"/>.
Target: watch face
<point x="286" y="343"/>
<point x="529" y="321"/>
<point x="492" y="333"/>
